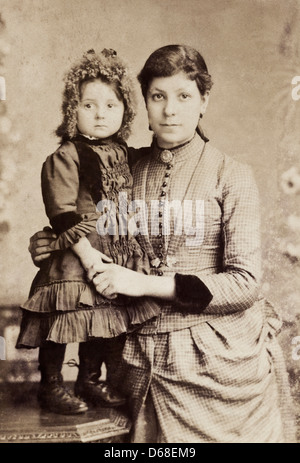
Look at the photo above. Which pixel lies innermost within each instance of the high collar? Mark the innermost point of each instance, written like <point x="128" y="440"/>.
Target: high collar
<point x="94" y="141"/>
<point x="181" y="152"/>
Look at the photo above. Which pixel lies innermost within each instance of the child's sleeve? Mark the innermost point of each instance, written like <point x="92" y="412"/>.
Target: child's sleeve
<point x="60" y="188"/>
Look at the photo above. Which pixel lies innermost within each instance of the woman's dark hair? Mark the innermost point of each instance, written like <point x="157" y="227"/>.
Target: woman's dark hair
<point x="109" y="68"/>
<point x="172" y="59"/>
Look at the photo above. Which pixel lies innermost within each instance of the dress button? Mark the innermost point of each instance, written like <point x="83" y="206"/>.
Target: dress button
<point x="164" y="184"/>
<point x="160" y="256"/>
<point x="163" y="193"/>
<point x="169" y="166"/>
<point x="138" y="224"/>
<point x="160" y="273"/>
<point x="160" y="225"/>
<point x="160" y="214"/>
<point x="159" y="235"/>
<point x="167" y="174"/>
<point x="160" y="245"/>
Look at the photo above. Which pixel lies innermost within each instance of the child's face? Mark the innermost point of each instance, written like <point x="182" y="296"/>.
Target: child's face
<point x="100" y="112"/>
<point x="174" y="105"/>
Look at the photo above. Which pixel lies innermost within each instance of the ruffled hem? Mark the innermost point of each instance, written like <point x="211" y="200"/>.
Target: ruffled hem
<point x="65" y="296"/>
<point x="65" y="328"/>
<point x="66" y="312"/>
<point x="82" y="325"/>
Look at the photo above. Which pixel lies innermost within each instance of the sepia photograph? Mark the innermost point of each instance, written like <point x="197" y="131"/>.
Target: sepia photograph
<point x="149" y="224"/>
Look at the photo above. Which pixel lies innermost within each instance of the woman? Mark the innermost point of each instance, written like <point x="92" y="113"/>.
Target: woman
<point x="208" y="368"/>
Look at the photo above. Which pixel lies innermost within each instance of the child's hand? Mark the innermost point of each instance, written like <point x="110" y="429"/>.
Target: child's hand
<point x="91" y="258"/>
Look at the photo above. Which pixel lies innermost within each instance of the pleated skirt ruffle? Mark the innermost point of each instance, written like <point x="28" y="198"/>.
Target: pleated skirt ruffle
<point x="65" y="312"/>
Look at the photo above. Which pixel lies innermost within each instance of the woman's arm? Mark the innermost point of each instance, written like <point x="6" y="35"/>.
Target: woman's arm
<point x="187" y="291"/>
<point x="236" y="288"/>
<point x="112" y="278"/>
<point x="40" y="249"/>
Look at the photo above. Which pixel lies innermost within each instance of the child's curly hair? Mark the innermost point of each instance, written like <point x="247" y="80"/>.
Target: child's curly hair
<point x="108" y="67"/>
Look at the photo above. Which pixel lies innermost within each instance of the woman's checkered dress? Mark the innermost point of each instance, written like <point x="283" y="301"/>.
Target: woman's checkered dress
<point x="218" y="375"/>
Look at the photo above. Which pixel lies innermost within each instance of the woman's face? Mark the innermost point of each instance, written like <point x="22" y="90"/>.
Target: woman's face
<point x="174" y="105"/>
<point x="100" y="112"/>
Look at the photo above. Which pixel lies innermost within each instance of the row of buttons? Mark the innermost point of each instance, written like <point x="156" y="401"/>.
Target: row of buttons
<point x="166" y="157"/>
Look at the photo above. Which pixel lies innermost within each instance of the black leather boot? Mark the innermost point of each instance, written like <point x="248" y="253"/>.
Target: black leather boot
<point x="88" y="386"/>
<point x="52" y="394"/>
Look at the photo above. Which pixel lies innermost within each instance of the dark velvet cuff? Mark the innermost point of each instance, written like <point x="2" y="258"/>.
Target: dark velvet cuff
<point x="192" y="295"/>
<point x="62" y="222"/>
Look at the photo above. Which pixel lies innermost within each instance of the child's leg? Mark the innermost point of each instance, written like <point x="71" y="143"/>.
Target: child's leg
<point x="52" y="395"/>
<point x="88" y="386"/>
<point x="113" y="357"/>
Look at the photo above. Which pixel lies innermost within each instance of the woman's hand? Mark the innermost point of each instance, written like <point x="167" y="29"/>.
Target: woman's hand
<point x="39" y="248"/>
<point x="112" y="279"/>
<point x="39" y="245"/>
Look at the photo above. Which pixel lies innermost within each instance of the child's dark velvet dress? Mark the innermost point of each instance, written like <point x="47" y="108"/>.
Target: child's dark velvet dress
<point x="63" y="305"/>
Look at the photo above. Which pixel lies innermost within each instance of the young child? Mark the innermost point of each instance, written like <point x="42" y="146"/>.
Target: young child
<point x="89" y="168"/>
